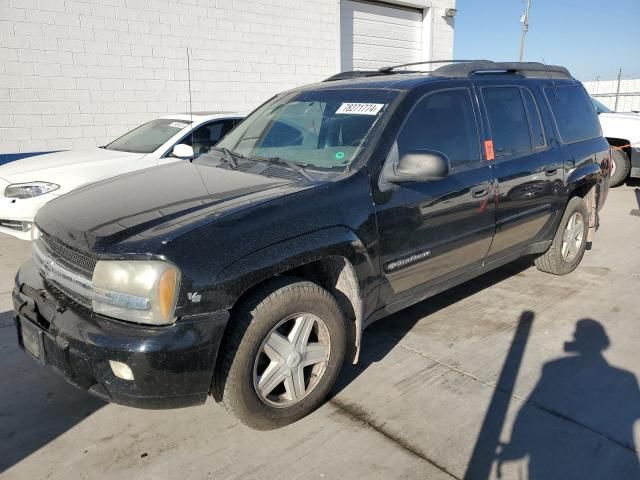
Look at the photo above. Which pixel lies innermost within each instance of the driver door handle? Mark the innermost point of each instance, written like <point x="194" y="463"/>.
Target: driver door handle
<point x="480" y="190"/>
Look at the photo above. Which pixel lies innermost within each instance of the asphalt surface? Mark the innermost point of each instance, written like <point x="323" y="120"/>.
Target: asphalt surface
<point x="516" y="374"/>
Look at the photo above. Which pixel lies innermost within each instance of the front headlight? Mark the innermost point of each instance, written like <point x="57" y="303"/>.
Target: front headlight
<point x="134" y="290"/>
<point x="29" y="190"/>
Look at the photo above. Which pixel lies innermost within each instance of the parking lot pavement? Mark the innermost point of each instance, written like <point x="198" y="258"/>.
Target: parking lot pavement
<point x="516" y="373"/>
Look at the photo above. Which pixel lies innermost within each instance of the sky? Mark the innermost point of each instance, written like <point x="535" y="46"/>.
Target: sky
<point x="591" y="38"/>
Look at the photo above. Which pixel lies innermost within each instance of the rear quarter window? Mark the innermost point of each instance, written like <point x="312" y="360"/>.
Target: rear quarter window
<point x="574" y="113"/>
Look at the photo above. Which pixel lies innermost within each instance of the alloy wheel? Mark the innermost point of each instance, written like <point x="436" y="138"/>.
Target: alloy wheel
<point x="572" y="237"/>
<point x="292" y="360"/>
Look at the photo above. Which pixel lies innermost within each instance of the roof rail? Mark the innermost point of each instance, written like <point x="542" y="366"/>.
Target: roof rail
<point x="427" y="62"/>
<point x="465" y="68"/>
<point x="527" y="69"/>
<point x="354" y="74"/>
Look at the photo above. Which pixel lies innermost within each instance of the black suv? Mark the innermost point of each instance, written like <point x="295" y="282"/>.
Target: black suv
<point x="251" y="272"/>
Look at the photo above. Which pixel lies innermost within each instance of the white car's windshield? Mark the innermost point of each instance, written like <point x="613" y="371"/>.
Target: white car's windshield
<point x="321" y="129"/>
<point x="148" y="137"/>
<point x="600" y="107"/>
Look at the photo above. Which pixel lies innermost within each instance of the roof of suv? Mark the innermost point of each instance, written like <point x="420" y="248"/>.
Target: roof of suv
<point x="393" y="77"/>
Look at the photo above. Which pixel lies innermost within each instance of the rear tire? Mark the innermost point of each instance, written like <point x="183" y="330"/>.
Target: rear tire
<point x="621" y="166"/>
<point x="267" y="377"/>
<point x="570" y="241"/>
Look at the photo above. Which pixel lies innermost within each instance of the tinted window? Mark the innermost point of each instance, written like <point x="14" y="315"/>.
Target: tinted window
<point x="445" y="122"/>
<point x="574" y="113"/>
<point x="537" y="133"/>
<point x="508" y="120"/>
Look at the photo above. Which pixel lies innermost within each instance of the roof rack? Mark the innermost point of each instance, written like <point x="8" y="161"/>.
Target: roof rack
<point x="527" y="69"/>
<point x="354" y="74"/>
<point x="428" y="62"/>
<point x="465" y="68"/>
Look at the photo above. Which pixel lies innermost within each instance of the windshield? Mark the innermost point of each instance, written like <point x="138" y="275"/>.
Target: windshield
<point x="149" y="136"/>
<point x="321" y="129"/>
<point x="600" y="107"/>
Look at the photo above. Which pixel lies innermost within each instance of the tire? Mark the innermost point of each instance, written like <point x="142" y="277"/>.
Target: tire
<point x="556" y="259"/>
<point x="247" y="356"/>
<point x="620" y="168"/>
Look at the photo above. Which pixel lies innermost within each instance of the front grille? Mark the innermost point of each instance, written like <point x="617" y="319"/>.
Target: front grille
<point x="71" y="257"/>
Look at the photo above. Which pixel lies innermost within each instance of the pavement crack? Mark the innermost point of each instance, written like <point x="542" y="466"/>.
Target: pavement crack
<point x="525" y="401"/>
<point x="359" y="414"/>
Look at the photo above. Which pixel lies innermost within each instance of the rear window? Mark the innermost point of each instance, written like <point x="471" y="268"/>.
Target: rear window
<point x="574" y="113"/>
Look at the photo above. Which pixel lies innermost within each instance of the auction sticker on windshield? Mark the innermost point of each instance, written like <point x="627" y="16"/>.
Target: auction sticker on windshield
<point x="360" y="108"/>
<point x="178" y="125"/>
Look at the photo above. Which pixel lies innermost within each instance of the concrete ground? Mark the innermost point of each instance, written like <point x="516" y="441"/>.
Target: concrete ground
<point x="516" y="374"/>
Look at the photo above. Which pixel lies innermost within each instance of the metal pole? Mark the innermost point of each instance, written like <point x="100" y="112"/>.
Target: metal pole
<point x="525" y="28"/>
<point x="615" y="109"/>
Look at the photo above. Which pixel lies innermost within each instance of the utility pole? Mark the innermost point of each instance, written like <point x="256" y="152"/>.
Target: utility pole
<point x="525" y="28"/>
<point x="615" y="109"/>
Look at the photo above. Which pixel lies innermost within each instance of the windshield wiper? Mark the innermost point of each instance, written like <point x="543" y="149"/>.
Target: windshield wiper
<point x="292" y="165"/>
<point x="229" y="157"/>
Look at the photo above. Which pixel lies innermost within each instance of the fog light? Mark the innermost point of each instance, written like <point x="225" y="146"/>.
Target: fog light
<point x="121" y="370"/>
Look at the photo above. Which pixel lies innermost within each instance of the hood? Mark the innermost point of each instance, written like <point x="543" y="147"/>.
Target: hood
<point x="71" y="168"/>
<point x="141" y="211"/>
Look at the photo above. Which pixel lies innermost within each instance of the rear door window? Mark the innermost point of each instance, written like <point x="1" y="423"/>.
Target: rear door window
<point x="575" y="115"/>
<point x="508" y="121"/>
<point x="443" y="121"/>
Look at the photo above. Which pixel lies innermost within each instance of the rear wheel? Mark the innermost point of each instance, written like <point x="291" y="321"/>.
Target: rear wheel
<point x="283" y="355"/>
<point x="570" y="241"/>
<point x="620" y="167"/>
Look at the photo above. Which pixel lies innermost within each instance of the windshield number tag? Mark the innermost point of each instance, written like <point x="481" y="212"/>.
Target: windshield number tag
<point x="179" y="125"/>
<point x="360" y="108"/>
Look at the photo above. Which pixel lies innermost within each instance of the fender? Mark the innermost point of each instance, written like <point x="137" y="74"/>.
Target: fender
<point x="325" y="244"/>
<point x="585" y="174"/>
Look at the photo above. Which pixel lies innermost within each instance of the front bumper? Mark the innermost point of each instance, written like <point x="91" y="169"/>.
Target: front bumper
<point x="15" y="214"/>
<point x="172" y="366"/>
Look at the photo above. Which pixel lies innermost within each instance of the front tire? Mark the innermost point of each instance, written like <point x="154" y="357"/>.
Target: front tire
<point x="570" y="241"/>
<point x="283" y="354"/>
<point x="620" y="168"/>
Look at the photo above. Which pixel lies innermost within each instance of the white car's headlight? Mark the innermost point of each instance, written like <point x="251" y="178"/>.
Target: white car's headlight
<point x="29" y="189"/>
<point x="138" y="291"/>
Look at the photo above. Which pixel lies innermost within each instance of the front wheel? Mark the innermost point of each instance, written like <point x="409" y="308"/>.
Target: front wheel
<point x="570" y="241"/>
<point x="283" y="355"/>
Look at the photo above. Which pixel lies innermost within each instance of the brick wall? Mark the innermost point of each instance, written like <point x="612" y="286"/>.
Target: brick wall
<point x="70" y="69"/>
<point x="77" y="73"/>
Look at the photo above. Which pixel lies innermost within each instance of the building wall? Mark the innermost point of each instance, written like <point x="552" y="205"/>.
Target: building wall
<point x="605" y="92"/>
<point x="77" y="73"/>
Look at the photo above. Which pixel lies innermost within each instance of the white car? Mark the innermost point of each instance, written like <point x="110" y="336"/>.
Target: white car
<point x="622" y="130"/>
<point x="27" y="184"/>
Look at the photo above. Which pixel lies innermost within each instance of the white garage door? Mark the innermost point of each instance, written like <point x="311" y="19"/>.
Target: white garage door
<point x="374" y="35"/>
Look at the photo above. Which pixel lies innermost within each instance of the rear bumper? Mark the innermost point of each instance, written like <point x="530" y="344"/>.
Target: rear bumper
<point x="172" y="366"/>
<point x="635" y="162"/>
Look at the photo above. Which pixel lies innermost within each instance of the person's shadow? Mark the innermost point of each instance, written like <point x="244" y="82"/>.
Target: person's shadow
<point x="593" y="407"/>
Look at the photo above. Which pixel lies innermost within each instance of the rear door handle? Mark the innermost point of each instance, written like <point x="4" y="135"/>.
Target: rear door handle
<point x="480" y="190"/>
<point x="550" y="171"/>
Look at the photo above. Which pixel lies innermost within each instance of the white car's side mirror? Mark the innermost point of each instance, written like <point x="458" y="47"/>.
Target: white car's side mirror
<point x="183" y="151"/>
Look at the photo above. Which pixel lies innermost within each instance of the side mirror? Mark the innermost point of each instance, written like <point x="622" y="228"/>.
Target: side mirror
<point x="419" y="166"/>
<point x="183" y="151"/>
